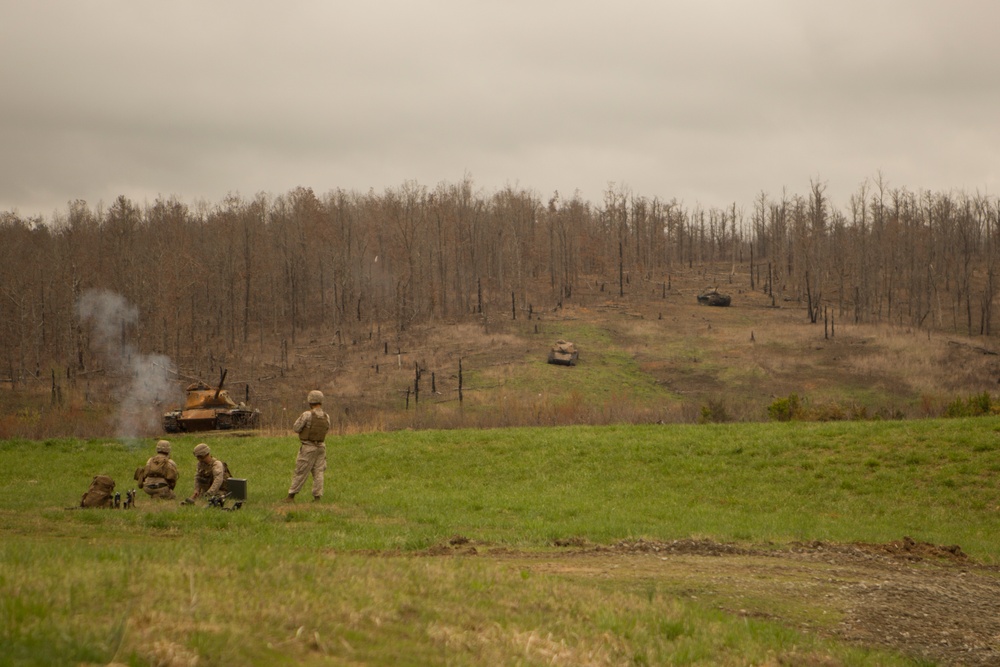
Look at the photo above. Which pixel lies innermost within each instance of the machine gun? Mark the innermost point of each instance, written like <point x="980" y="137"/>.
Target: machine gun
<point x="232" y="489"/>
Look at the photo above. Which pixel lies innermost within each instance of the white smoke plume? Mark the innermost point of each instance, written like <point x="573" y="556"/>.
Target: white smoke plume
<point x="146" y="385"/>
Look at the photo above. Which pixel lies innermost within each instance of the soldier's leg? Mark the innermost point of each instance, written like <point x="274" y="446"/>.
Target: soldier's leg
<point x="318" y="471"/>
<point x="303" y="464"/>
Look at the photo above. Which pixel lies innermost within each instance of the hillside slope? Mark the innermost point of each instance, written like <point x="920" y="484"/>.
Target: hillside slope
<point x="653" y="354"/>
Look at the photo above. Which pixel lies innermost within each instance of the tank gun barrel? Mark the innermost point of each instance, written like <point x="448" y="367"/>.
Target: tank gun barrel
<point x="221" y="380"/>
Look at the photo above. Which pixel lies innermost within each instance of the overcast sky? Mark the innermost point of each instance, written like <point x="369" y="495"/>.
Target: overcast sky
<point x="709" y="102"/>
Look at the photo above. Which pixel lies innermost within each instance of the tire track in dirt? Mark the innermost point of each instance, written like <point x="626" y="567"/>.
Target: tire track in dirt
<point x="926" y="601"/>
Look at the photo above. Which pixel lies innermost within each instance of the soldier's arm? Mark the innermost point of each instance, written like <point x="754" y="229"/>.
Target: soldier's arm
<point x="303" y="421"/>
<point x="218" y="477"/>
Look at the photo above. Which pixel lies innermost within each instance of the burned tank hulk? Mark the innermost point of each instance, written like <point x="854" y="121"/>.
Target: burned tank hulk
<point x="713" y="297"/>
<point x="563" y="353"/>
<point x="210" y="409"/>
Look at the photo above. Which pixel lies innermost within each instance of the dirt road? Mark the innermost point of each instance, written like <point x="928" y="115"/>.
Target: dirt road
<point x="923" y="600"/>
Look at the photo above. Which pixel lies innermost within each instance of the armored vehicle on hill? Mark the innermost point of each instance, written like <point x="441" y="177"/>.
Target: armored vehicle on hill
<point x="563" y="353"/>
<point x="209" y="409"/>
<point x="713" y="297"/>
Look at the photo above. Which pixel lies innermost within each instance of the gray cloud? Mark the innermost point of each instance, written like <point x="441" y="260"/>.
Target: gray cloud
<point x="708" y="102"/>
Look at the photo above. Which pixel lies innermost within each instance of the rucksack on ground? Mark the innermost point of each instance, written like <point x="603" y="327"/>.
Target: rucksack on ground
<point x="100" y="493"/>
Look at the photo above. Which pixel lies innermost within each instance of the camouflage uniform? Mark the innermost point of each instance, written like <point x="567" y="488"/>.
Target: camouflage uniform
<point x="211" y="473"/>
<point x="312" y="426"/>
<point x="159" y="476"/>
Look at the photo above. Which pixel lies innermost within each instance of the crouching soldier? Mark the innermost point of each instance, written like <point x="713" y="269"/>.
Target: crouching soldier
<point x="159" y="476"/>
<point x="211" y="475"/>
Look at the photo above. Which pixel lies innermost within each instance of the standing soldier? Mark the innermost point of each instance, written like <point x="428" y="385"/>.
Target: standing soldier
<point x="311" y="426"/>
<point x="159" y="476"/>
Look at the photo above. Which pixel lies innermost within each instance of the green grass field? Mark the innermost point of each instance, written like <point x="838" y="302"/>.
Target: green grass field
<point x="351" y="581"/>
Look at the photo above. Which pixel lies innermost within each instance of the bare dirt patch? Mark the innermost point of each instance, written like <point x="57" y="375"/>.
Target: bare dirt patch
<point x="923" y="600"/>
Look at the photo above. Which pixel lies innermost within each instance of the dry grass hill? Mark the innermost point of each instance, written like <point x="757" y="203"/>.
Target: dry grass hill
<point x="652" y="355"/>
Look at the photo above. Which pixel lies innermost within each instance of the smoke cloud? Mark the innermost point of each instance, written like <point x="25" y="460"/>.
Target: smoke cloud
<point x="147" y="385"/>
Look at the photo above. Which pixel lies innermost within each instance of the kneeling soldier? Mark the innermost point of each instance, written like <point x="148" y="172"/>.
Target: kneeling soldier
<point x="211" y="475"/>
<point x="159" y="476"/>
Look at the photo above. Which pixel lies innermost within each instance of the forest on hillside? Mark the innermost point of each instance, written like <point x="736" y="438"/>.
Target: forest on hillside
<point x="274" y="268"/>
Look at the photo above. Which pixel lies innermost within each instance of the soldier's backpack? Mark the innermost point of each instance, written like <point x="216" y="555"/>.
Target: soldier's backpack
<point x="159" y="467"/>
<point x="100" y="493"/>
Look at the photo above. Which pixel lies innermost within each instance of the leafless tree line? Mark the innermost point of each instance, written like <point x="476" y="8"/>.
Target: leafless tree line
<point x="268" y="269"/>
